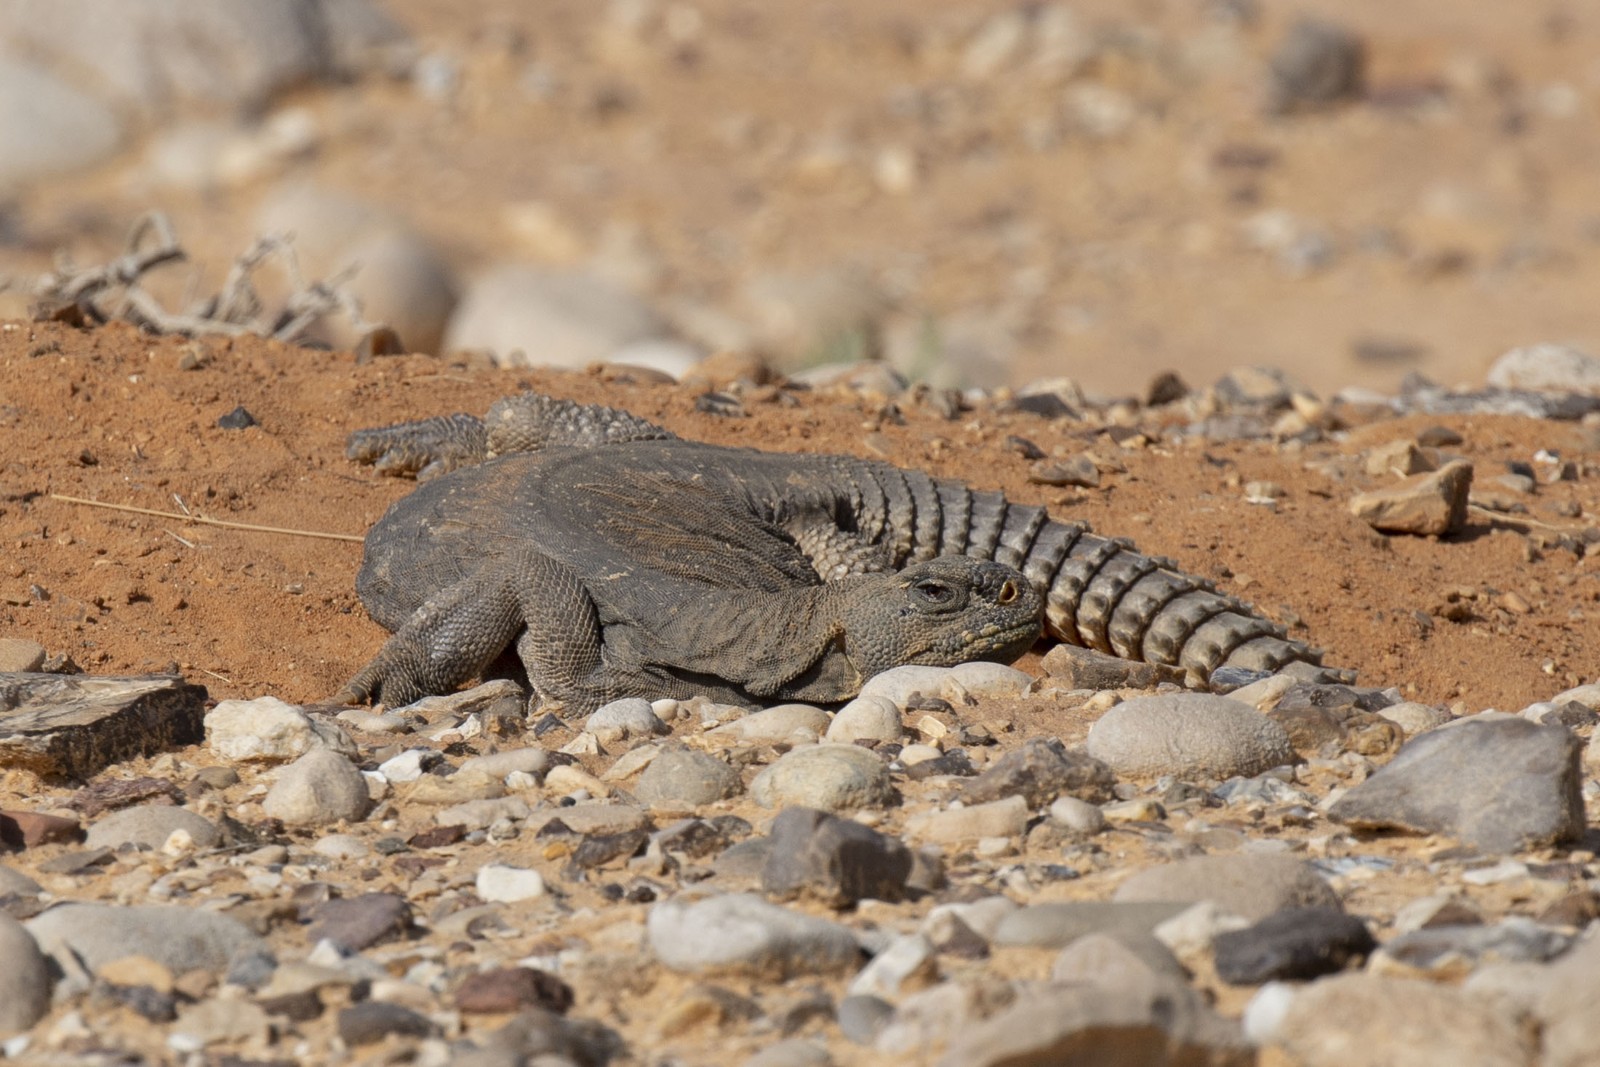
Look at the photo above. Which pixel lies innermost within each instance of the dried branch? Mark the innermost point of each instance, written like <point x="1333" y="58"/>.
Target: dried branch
<point x="114" y="291"/>
<point x="203" y="520"/>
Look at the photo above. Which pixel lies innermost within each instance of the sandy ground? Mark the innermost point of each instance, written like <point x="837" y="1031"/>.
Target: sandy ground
<point x="1488" y="617"/>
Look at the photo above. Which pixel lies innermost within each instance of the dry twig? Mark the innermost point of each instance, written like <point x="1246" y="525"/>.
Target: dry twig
<point x="202" y="520"/>
<point x="115" y="291"/>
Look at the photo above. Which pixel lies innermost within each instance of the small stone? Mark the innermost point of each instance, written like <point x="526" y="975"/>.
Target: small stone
<point x="681" y="779"/>
<point x="909" y="962"/>
<point x="532" y="761"/>
<point x="1433" y="504"/>
<point x="1553" y="368"/>
<point x="358" y="923"/>
<point x="862" y="1018"/>
<point x="150" y="826"/>
<point x="830" y="777"/>
<point x="1084" y="668"/>
<point x="17" y="654"/>
<point x="739" y="933"/>
<point x="1402" y="458"/>
<point x="497" y="883"/>
<point x="867" y="718"/>
<point x="215" y="1021"/>
<point x="237" y="419"/>
<point x="179" y="938"/>
<point x="1001" y="818"/>
<point x="510" y="989"/>
<point x="1040" y="771"/>
<point x="318" y="789"/>
<point x="30" y="829"/>
<point x="343" y="847"/>
<point x="1292" y="945"/>
<point x="1188" y="735"/>
<point x="268" y="729"/>
<point x="628" y="719"/>
<point x="1446" y="953"/>
<point x="1363" y="1020"/>
<point x="1080" y="470"/>
<point x="14" y="883"/>
<point x="786" y="723"/>
<point x="1078" y="816"/>
<point x="901" y="684"/>
<point x="792" y="1052"/>
<point x="1124" y="960"/>
<point x="481" y="814"/>
<point x="1058" y="923"/>
<point x="1415" y="718"/>
<point x="25" y="980"/>
<point x="835" y="860"/>
<point x="1317" y="64"/>
<point x="410" y="765"/>
<point x="1502" y="786"/>
<point x="1251" y="885"/>
<point x="373" y="1020"/>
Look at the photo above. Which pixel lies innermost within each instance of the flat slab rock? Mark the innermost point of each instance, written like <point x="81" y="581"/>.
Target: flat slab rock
<point x="76" y="725"/>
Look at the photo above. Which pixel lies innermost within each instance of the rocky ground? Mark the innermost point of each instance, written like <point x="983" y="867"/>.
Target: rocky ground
<point x="979" y="866"/>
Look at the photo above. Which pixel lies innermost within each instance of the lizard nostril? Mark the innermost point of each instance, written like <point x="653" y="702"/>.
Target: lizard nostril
<point x="1008" y="592"/>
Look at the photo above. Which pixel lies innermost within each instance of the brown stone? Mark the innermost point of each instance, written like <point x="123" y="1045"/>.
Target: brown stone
<point x="75" y="725"/>
<point x="1433" y="504"/>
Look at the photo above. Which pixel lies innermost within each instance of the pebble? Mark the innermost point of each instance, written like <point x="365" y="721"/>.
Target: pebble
<point x="532" y="761"/>
<point x="681" y="779"/>
<point x="1363" y="1020"/>
<point x="509" y="989"/>
<point x="1039" y="771"/>
<point x="341" y="847"/>
<point x="866" y="718"/>
<point x="791" y="723"/>
<point x="499" y="884"/>
<point x="318" y="789"/>
<point x="218" y="1020"/>
<point x="862" y="1018"/>
<point x="1546" y="367"/>
<point x="1432" y="504"/>
<point x="1316" y="64"/>
<point x="1000" y="818"/>
<point x="17" y="654"/>
<point x="992" y="681"/>
<point x="1294" y="944"/>
<point x="628" y="719"/>
<point x="373" y="1020"/>
<point x="1057" y="924"/>
<point x="1085" y="668"/>
<point x="1415" y="718"/>
<point x="1251" y="885"/>
<point x="410" y="765"/>
<point x="149" y="826"/>
<point x="830" y="777"/>
<point x="900" y="685"/>
<point x="25" y="980"/>
<point x="1125" y="960"/>
<point x="1447" y="952"/>
<point x="528" y="316"/>
<point x="909" y="961"/>
<point x="739" y="933"/>
<point x="268" y="729"/>
<point x="1078" y="816"/>
<point x="358" y="923"/>
<point x="15" y="883"/>
<point x="179" y="938"/>
<point x="1188" y="735"/>
<point x="1502" y="786"/>
<point x="833" y="860"/>
<point x="481" y="814"/>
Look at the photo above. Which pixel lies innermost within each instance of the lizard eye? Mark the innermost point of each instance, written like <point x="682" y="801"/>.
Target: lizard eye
<point x="934" y="591"/>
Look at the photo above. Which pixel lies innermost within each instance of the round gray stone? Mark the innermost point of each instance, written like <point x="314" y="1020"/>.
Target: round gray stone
<point x="530" y="317"/>
<point x="25" y="982"/>
<point x="828" y="777"/>
<point x="47" y="126"/>
<point x="866" y="718"/>
<point x="318" y="789"/>
<point x="786" y="722"/>
<point x="149" y="826"/>
<point x="179" y="938"/>
<point x="739" y="933"/>
<point x="626" y="720"/>
<point x="1250" y="885"/>
<point x="1188" y="735"/>
<point x="681" y="778"/>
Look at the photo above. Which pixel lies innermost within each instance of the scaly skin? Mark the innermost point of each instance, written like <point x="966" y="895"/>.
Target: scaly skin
<point x="618" y="500"/>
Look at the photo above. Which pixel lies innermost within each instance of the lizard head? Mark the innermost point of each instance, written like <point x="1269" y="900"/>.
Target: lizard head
<point x="946" y="611"/>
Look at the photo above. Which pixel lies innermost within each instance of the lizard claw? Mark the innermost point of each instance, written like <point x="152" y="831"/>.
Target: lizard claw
<point x="424" y="448"/>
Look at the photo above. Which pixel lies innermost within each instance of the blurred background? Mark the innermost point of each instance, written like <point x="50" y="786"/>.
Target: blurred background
<point x="979" y="192"/>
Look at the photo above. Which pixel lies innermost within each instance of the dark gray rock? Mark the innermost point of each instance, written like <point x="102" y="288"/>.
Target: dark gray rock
<point x="360" y="922"/>
<point x="1293" y="944"/>
<point x="837" y="861"/>
<point x="373" y="1020"/>
<point x="75" y="726"/>
<point x="1517" y="939"/>
<point x="1317" y="64"/>
<point x="1040" y="771"/>
<point x="1501" y="786"/>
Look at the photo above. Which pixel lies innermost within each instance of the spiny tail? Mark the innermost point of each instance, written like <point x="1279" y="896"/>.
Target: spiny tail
<point x="1100" y="592"/>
